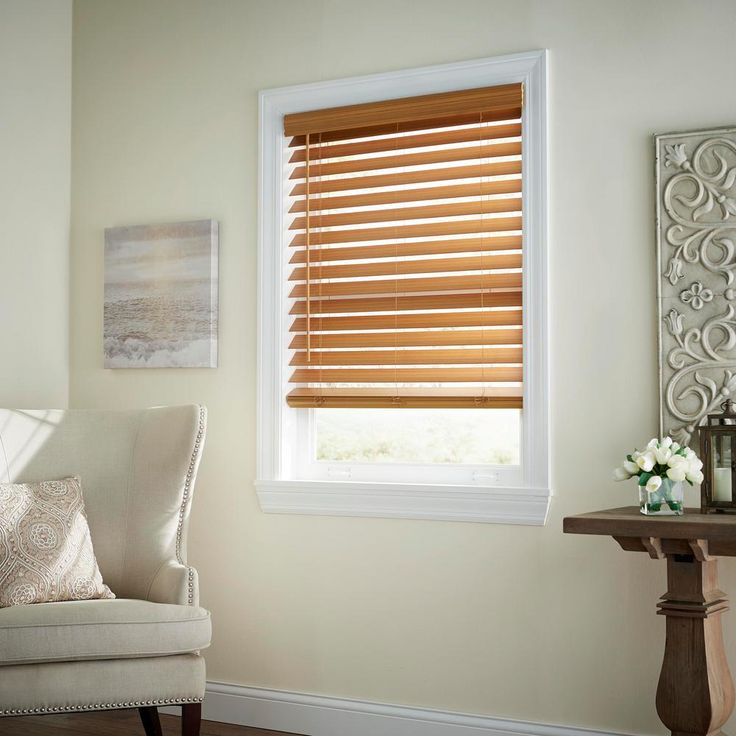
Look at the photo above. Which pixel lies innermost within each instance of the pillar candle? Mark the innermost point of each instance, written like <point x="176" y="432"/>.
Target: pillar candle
<point x="722" y="490"/>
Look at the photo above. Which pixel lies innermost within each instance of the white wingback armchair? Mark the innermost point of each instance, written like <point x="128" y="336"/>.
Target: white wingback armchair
<point x="142" y="649"/>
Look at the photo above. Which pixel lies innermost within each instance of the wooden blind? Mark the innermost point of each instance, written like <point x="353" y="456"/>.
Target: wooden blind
<point x="405" y="250"/>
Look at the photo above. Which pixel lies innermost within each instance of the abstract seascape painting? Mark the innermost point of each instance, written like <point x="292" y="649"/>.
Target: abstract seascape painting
<point x="161" y="295"/>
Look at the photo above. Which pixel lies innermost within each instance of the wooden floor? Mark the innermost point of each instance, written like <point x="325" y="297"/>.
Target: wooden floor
<point x="114" y="723"/>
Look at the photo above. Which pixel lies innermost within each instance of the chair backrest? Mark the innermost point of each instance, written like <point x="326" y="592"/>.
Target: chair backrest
<point x="137" y="469"/>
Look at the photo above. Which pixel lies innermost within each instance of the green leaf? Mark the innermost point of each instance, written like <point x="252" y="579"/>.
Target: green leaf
<point x="629" y="458"/>
<point x="644" y="477"/>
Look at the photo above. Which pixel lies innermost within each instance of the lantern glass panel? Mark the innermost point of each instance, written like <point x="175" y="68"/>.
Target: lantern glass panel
<point x="721" y="458"/>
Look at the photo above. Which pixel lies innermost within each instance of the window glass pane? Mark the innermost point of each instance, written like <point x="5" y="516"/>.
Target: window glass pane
<point x="423" y="436"/>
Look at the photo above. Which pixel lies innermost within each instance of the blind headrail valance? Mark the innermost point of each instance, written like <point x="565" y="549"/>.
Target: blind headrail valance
<point x="504" y="101"/>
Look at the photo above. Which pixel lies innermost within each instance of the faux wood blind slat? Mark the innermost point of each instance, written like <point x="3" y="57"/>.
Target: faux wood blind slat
<point x="405" y="222"/>
<point x="425" y="230"/>
<point x="408" y="357"/>
<point x="464" y="135"/>
<point x="504" y="186"/>
<point x="424" y="265"/>
<point x="408" y="339"/>
<point x="411" y="321"/>
<point x="374" y="163"/>
<point x="420" y="176"/>
<point x="456" y="209"/>
<point x="474" y="300"/>
<point x="415" y="248"/>
<point x="357" y="287"/>
<point x="405" y="375"/>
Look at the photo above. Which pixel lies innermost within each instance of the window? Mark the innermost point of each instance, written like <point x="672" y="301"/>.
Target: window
<point x="402" y="328"/>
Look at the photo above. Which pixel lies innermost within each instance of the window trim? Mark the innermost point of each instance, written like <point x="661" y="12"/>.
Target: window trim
<point x="525" y="504"/>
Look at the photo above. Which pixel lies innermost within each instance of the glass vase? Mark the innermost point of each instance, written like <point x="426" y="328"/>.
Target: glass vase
<point x="667" y="500"/>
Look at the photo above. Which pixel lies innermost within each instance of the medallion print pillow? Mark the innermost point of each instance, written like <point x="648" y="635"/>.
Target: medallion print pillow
<point x="46" y="550"/>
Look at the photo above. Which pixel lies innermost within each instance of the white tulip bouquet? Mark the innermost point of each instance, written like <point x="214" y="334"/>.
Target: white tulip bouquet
<point x="661" y="469"/>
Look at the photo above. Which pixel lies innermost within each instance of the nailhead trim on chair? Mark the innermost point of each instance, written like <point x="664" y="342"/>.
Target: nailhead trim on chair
<point x="185" y="500"/>
<point x="98" y="706"/>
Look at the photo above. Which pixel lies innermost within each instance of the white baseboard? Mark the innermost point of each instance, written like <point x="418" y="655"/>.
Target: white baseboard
<point x="317" y="715"/>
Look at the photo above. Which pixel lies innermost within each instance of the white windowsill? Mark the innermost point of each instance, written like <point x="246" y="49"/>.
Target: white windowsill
<point x="405" y="500"/>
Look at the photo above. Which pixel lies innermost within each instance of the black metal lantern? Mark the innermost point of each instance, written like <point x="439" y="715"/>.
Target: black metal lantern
<point x="718" y="453"/>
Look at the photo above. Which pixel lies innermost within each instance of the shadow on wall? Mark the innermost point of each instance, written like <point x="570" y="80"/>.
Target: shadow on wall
<point x="133" y="465"/>
<point x="96" y="446"/>
<point x="22" y="434"/>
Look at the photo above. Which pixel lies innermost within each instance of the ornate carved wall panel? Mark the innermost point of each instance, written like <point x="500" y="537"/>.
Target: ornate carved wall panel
<point x="696" y="260"/>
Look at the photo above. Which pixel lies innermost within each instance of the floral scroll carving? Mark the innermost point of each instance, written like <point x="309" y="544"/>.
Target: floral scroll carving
<point x="697" y="349"/>
<point x="696" y="238"/>
<point x="697" y="295"/>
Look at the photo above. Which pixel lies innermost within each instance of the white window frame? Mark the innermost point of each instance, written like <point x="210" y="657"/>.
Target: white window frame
<point x="279" y="491"/>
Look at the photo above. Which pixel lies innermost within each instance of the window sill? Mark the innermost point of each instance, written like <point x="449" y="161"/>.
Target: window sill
<point x="405" y="501"/>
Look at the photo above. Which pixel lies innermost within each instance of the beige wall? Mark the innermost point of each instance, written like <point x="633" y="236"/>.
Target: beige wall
<point x="510" y="621"/>
<point x="35" y="131"/>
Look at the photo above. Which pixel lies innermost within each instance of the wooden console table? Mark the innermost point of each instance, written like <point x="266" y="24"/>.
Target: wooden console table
<point x="695" y="695"/>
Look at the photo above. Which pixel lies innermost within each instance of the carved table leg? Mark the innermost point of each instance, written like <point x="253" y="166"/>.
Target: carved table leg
<point x="695" y="695"/>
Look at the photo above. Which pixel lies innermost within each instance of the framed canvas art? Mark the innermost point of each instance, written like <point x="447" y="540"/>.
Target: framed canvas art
<point x="161" y="295"/>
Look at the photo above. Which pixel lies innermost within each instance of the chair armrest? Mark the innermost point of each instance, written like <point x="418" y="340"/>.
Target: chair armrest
<point x="175" y="583"/>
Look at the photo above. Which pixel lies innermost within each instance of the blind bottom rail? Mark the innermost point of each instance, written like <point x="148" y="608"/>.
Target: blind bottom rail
<point x="345" y="399"/>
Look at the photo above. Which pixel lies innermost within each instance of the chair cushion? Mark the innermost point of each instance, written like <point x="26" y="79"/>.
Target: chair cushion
<point x="100" y="629"/>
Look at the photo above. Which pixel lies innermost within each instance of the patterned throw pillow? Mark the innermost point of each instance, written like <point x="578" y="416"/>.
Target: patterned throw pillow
<point x="46" y="550"/>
